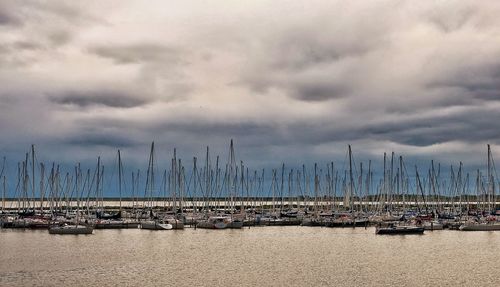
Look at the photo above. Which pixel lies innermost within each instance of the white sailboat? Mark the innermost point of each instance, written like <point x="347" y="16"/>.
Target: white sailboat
<point x="156" y="225"/>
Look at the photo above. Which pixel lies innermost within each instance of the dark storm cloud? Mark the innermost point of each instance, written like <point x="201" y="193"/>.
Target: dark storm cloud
<point x="100" y="138"/>
<point x="303" y="87"/>
<point x="8" y="19"/>
<point x="199" y="127"/>
<point x="113" y="99"/>
<point x="316" y="91"/>
<point x="58" y="38"/>
<point x="27" y="45"/>
<point x="484" y="75"/>
<point x="139" y="53"/>
<point x="218" y="129"/>
<point x="299" y="51"/>
<point x="469" y="125"/>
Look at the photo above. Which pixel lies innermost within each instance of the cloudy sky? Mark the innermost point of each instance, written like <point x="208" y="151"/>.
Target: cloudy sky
<point x="292" y="81"/>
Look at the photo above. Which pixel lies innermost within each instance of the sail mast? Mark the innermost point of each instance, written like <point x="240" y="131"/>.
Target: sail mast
<point x="98" y="180"/>
<point x="351" y="181"/>
<point x="490" y="182"/>
<point x="120" y="178"/>
<point x="33" y="188"/>
<point x="4" y="193"/>
<point x="4" y="185"/>
<point x="42" y="186"/>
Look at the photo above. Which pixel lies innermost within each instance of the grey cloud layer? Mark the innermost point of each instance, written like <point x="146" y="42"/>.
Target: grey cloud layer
<point x="113" y="99"/>
<point x="289" y="81"/>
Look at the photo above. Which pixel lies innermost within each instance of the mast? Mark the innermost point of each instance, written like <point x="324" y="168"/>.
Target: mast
<point x="4" y="193"/>
<point x="120" y="179"/>
<point x="98" y="180"/>
<point x="133" y="191"/>
<point x="180" y="181"/>
<point x="58" y="187"/>
<point x="479" y="197"/>
<point x="316" y="183"/>
<point x="391" y="185"/>
<point x="152" y="173"/>
<point x="460" y="188"/>
<point x="401" y="180"/>
<point x="51" y="195"/>
<point x="33" y="175"/>
<point x="433" y="186"/>
<point x="360" y="186"/>
<point x="208" y="192"/>
<point x="174" y="181"/>
<point x="304" y="192"/>
<point x="282" y="186"/>
<point x="273" y="183"/>
<point x="231" y="182"/>
<point x="243" y="178"/>
<point x="491" y="191"/>
<point x="77" y="185"/>
<point x="25" y="185"/>
<point x="165" y="189"/>
<point x="421" y="190"/>
<point x="384" y="187"/>
<point x="368" y="185"/>
<point x="351" y="181"/>
<point x="150" y="176"/>
<point x="42" y="186"/>
<point x="195" y="175"/>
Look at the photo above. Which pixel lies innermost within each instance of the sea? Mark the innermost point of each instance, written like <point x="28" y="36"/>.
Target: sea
<point x="256" y="256"/>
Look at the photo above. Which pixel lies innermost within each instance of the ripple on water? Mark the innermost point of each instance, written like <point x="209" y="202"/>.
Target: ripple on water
<point x="277" y="256"/>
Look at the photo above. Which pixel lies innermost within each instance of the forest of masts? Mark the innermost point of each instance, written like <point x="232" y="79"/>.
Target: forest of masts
<point x="230" y="185"/>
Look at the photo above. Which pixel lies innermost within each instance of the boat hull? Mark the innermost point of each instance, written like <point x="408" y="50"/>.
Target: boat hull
<point x="235" y="224"/>
<point x="71" y="230"/>
<point x="399" y="230"/>
<point x="156" y="226"/>
<point x="116" y="225"/>
<point x="480" y="227"/>
<point x="433" y="226"/>
<point x="176" y="224"/>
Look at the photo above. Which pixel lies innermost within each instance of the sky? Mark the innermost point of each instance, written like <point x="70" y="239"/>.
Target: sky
<point x="289" y="81"/>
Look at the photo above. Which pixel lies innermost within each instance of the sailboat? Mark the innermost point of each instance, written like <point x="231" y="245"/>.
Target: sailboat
<point x="156" y="225"/>
<point x="491" y="223"/>
<point x="77" y="227"/>
<point x="215" y="222"/>
<point x="397" y="229"/>
<point x="71" y="229"/>
<point x="480" y="226"/>
<point x="433" y="225"/>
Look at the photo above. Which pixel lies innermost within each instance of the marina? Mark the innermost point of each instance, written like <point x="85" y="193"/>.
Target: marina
<point x="212" y="197"/>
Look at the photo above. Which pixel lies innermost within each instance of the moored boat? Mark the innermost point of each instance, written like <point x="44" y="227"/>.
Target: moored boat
<point x="71" y="229"/>
<point x="215" y="222"/>
<point x="115" y="224"/>
<point x="176" y="223"/>
<point x="433" y="225"/>
<point x="402" y="229"/>
<point x="156" y="225"/>
<point x="490" y="226"/>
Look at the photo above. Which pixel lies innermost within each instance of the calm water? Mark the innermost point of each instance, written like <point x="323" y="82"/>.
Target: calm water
<point x="261" y="256"/>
